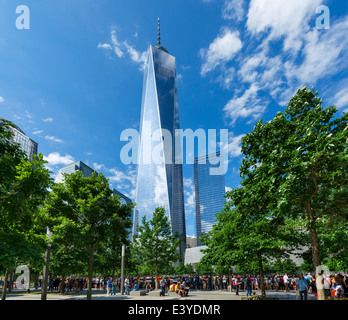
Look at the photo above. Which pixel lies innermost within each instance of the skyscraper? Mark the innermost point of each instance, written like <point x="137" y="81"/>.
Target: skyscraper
<point x="77" y="166"/>
<point x="209" y="193"/>
<point x="87" y="171"/>
<point x="28" y="145"/>
<point x="159" y="177"/>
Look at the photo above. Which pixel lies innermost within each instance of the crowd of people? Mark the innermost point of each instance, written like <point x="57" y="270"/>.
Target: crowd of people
<point x="335" y="285"/>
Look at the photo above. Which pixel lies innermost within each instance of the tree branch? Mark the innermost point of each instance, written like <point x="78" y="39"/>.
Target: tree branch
<point x="327" y="211"/>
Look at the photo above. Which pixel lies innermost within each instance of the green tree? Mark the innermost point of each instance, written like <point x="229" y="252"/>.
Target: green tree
<point x="23" y="188"/>
<point x="155" y="246"/>
<point x="180" y="269"/>
<point x="92" y="208"/>
<point x="306" y="151"/>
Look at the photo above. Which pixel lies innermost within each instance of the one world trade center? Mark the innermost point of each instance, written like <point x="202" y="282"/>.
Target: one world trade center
<point x="159" y="173"/>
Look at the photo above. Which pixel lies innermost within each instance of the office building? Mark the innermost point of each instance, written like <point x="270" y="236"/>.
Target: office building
<point x="159" y="177"/>
<point x="209" y="192"/>
<point x="29" y="146"/>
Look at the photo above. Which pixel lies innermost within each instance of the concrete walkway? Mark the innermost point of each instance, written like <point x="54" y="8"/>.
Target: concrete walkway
<point x="193" y="295"/>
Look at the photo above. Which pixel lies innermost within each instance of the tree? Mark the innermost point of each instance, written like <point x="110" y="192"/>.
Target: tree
<point x="92" y="209"/>
<point x="306" y="151"/>
<point x="23" y="188"/>
<point x="155" y="246"/>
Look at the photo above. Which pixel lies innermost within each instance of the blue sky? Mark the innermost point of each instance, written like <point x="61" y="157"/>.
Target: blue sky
<point x="73" y="81"/>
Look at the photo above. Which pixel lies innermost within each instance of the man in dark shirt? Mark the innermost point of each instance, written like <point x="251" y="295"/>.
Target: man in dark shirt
<point x="184" y="288"/>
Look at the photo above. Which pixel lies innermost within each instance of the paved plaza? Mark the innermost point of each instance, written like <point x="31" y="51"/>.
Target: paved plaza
<point x="193" y="295"/>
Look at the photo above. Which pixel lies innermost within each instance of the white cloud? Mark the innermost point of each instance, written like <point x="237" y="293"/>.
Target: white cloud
<point x="341" y="99"/>
<point x="37" y="131"/>
<point x="123" y="47"/>
<point x="233" y="10"/>
<point x="104" y="46"/>
<point x="223" y="48"/>
<point x="248" y="105"/>
<point x="234" y="145"/>
<point x="52" y="138"/>
<point x="47" y="120"/>
<point x="189" y="191"/>
<point x="55" y="159"/>
<point x="282" y="18"/>
<point x="227" y="189"/>
<point x="1" y="99"/>
<point x="116" y="44"/>
<point x="136" y="56"/>
<point x="98" y="167"/>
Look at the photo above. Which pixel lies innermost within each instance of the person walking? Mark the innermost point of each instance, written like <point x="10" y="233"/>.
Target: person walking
<point x="126" y="286"/>
<point x="303" y="286"/>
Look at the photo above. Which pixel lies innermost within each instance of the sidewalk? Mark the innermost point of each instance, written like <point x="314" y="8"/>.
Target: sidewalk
<point x="18" y="294"/>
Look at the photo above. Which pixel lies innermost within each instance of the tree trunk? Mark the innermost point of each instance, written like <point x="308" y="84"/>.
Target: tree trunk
<point x="230" y="280"/>
<point x="156" y="276"/>
<point x="262" y="282"/>
<point x="4" y="289"/>
<point x="90" y="270"/>
<point x="315" y="251"/>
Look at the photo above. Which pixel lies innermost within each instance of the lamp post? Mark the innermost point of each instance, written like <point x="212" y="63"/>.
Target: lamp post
<point x="122" y="268"/>
<point x="46" y="270"/>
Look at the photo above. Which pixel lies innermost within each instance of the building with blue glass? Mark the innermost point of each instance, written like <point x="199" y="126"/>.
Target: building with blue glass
<point x="159" y="176"/>
<point x="87" y="172"/>
<point x="77" y="166"/>
<point x="28" y="146"/>
<point x="209" y="192"/>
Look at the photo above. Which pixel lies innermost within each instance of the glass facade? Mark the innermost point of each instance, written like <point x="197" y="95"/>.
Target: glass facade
<point x="87" y="172"/>
<point x="29" y="146"/>
<point x="209" y="192"/>
<point x="159" y="178"/>
<point x="78" y="166"/>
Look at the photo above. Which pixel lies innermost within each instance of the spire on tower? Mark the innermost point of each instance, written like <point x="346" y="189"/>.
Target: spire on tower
<point x="159" y="34"/>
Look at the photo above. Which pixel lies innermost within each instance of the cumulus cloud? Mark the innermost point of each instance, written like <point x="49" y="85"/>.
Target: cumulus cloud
<point x="55" y="158"/>
<point x="246" y="106"/>
<point x="223" y="48"/>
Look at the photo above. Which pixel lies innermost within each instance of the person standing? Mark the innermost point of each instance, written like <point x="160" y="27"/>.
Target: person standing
<point x="108" y="287"/>
<point x="286" y="282"/>
<point x="302" y="285"/>
<point x="237" y="283"/>
<point x="126" y="286"/>
<point x="113" y="287"/>
<point x="248" y="285"/>
<point x="337" y="290"/>
<point x="163" y="287"/>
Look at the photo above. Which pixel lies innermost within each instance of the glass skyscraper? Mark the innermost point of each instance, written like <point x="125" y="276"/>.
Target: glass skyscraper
<point x="28" y="145"/>
<point x="209" y="192"/>
<point x="159" y="177"/>
<point x="87" y="171"/>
